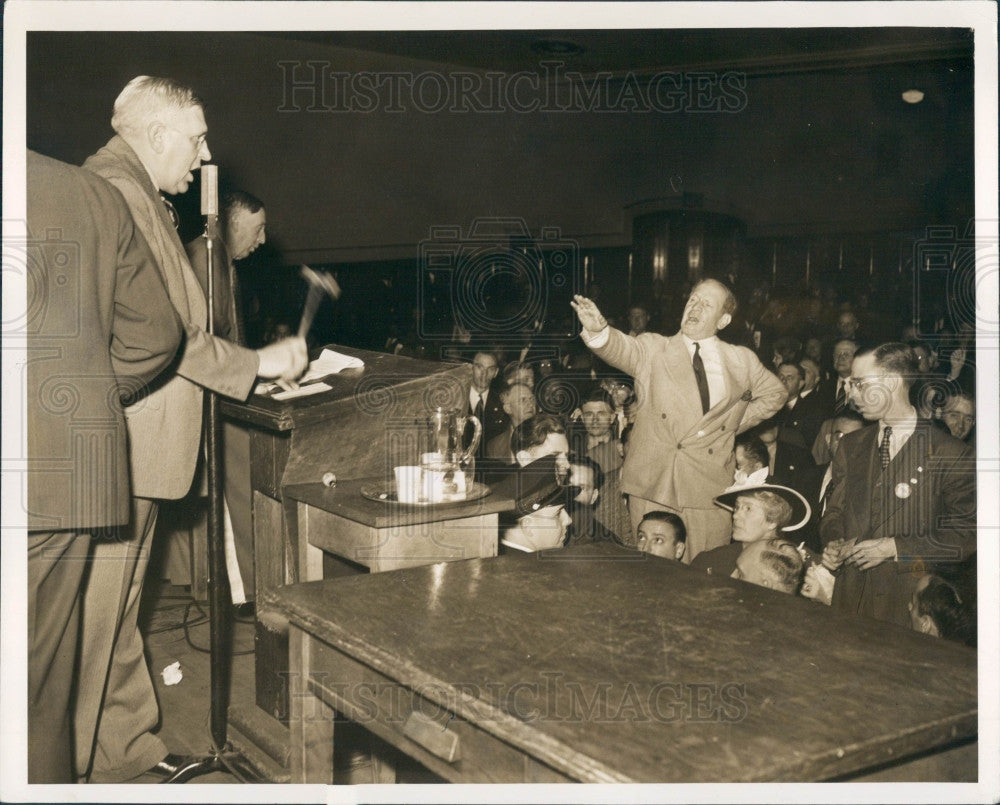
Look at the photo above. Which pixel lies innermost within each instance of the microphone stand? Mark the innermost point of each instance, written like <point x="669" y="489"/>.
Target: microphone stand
<point x="223" y="756"/>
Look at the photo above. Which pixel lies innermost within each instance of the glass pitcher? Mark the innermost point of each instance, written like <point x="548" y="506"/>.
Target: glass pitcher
<point x="447" y="464"/>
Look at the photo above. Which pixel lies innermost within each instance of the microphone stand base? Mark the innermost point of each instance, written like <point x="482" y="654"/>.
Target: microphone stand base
<point x="225" y="760"/>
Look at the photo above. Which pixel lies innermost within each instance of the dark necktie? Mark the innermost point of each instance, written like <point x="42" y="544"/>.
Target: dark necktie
<point x="175" y="219"/>
<point x="841" y="396"/>
<point x="883" y="449"/>
<point x="480" y="409"/>
<point x="699" y="375"/>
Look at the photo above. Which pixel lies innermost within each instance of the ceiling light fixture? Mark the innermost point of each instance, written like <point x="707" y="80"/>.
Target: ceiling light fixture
<point x="913" y="96"/>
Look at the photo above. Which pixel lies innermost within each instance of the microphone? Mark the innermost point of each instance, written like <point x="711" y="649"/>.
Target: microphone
<point x="209" y="189"/>
<point x="210" y="209"/>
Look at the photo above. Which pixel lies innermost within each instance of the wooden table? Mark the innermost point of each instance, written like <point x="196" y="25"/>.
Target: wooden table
<point x="386" y="535"/>
<point x="600" y="664"/>
<point x="362" y="426"/>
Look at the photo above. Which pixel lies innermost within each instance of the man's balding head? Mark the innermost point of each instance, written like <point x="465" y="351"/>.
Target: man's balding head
<point x="772" y="563"/>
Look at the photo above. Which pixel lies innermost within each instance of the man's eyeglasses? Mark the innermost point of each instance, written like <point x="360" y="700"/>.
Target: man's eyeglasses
<point x="196" y="140"/>
<point x="862" y="384"/>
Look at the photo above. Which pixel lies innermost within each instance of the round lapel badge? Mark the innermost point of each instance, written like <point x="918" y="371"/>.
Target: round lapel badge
<point x="903" y="491"/>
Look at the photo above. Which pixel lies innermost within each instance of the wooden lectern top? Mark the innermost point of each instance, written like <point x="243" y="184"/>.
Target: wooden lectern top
<point x="374" y="389"/>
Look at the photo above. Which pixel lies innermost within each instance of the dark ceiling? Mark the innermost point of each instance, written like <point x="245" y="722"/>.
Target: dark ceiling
<point x="751" y="50"/>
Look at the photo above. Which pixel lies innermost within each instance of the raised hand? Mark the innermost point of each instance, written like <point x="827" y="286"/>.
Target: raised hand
<point x="957" y="361"/>
<point x="588" y="314"/>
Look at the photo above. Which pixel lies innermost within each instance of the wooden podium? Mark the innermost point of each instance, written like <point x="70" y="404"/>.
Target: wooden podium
<point x="362" y="427"/>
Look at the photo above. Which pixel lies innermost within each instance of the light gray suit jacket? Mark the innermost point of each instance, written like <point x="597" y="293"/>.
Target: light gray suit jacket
<point x="164" y="427"/>
<point x="677" y="455"/>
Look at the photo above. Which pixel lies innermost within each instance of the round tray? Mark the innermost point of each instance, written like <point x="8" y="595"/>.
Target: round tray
<point x="385" y="492"/>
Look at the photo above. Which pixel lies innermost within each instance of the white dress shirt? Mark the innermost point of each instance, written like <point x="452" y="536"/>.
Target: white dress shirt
<point x="474" y="397"/>
<point x="901" y="432"/>
<point x="709" y="351"/>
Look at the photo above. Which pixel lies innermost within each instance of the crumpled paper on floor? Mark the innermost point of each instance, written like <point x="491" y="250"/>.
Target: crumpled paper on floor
<point x="172" y="674"/>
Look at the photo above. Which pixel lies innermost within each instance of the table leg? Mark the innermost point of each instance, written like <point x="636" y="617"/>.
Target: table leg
<point x="311" y="723"/>
<point x="310" y="558"/>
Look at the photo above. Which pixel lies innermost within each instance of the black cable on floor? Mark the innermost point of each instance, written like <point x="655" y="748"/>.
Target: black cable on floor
<point x="172" y="626"/>
<point x="187" y="624"/>
<point x="200" y="622"/>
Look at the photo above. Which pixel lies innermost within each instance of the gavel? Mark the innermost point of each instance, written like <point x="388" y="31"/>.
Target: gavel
<point x="319" y="283"/>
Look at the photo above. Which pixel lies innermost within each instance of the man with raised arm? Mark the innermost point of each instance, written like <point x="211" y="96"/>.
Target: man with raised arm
<point x="695" y="393"/>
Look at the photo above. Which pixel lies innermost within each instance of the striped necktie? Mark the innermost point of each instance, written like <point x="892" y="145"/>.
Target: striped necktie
<point x="883" y="449"/>
<point x="838" y="404"/>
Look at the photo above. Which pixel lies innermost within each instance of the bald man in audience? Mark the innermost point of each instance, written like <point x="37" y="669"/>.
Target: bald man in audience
<point x="848" y="422"/>
<point x="772" y="563"/>
<point x="695" y="394"/>
<point x="812" y="374"/>
<point x="518" y="402"/>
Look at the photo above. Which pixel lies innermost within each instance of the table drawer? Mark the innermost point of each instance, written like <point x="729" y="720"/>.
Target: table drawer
<point x="434" y="735"/>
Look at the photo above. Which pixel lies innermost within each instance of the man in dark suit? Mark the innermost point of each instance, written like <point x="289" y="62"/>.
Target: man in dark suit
<point x="696" y="393"/>
<point x="848" y="422"/>
<point x="105" y="329"/>
<point x="484" y="398"/>
<point x="903" y="493"/>
<point x="834" y="397"/>
<point x="843" y="354"/>
<point x="801" y="417"/>
<point x="519" y="404"/>
<point x="242" y="228"/>
<point x="788" y="465"/>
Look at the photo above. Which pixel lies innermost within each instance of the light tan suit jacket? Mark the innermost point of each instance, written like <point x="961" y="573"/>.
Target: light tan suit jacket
<point x="677" y="455"/>
<point x="165" y="426"/>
